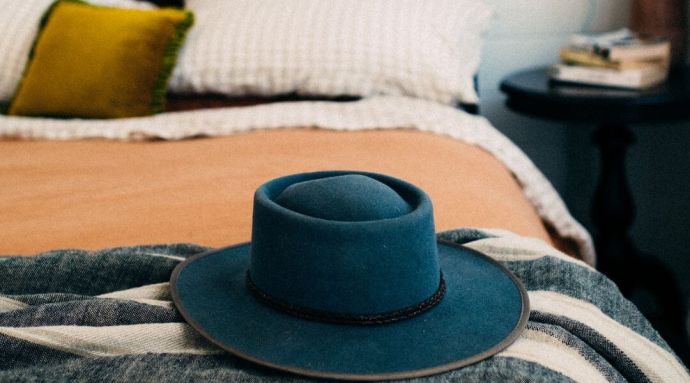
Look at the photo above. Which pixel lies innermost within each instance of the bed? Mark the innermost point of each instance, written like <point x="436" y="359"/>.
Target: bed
<point x="158" y="192"/>
<point x="97" y="212"/>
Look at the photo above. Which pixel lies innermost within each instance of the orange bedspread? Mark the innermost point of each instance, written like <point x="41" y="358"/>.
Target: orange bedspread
<point x="94" y="194"/>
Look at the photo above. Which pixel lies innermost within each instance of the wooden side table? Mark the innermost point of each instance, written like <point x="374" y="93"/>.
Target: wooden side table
<point x="611" y="111"/>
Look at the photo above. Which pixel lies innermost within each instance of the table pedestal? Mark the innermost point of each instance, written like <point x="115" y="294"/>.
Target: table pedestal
<point x="613" y="212"/>
<point x="613" y="209"/>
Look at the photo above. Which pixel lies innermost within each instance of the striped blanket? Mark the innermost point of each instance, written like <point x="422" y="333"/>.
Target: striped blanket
<point x="73" y="315"/>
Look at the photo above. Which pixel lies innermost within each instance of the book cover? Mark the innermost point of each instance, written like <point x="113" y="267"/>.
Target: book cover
<point x="641" y="50"/>
<point x="636" y="78"/>
<point x="622" y="45"/>
<point x="575" y="56"/>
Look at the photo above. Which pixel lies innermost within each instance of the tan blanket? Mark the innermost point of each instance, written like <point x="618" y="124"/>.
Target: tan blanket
<point x="95" y="194"/>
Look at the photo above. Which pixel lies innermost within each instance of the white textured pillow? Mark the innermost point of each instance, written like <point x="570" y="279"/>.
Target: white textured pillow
<point x="424" y="49"/>
<point x="19" y="22"/>
<point x="18" y="27"/>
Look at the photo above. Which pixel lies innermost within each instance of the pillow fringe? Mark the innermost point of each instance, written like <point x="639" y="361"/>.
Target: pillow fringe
<point x="169" y="60"/>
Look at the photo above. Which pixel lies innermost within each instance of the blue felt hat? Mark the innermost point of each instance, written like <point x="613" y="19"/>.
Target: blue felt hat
<point x="344" y="278"/>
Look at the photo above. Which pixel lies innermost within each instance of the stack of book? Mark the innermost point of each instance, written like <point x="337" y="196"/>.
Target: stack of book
<point x="618" y="59"/>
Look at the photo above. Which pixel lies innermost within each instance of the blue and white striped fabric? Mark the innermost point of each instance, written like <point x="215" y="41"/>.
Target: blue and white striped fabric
<point x="107" y="316"/>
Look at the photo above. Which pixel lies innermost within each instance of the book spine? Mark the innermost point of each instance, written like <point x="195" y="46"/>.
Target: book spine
<point x="631" y="53"/>
<point x="607" y="77"/>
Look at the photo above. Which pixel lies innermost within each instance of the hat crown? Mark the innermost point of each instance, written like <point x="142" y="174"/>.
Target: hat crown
<point x="343" y="242"/>
<point x="350" y="197"/>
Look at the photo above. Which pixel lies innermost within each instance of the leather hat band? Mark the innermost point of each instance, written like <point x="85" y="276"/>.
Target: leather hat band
<point x="343" y="318"/>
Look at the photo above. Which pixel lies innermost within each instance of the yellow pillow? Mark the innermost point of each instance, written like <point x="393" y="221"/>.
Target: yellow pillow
<point x="96" y="62"/>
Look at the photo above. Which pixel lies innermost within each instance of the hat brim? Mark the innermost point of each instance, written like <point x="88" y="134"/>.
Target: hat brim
<point x="485" y="308"/>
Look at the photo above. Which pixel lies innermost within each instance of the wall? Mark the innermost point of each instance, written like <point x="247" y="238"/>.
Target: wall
<point x="528" y="34"/>
<point x="525" y="34"/>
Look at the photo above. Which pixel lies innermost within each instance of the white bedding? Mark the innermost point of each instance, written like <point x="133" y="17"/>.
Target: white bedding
<point x="422" y="49"/>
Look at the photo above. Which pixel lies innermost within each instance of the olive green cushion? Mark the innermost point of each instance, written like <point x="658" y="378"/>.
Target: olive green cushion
<point x="97" y="62"/>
